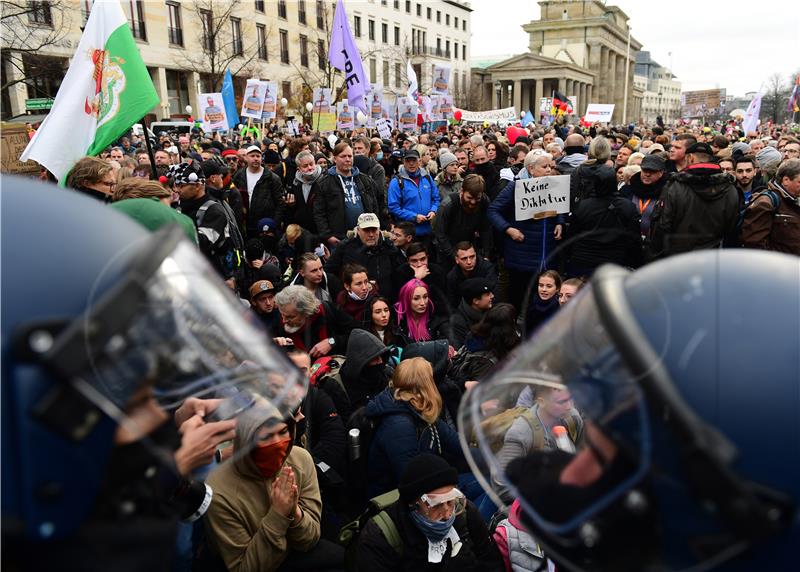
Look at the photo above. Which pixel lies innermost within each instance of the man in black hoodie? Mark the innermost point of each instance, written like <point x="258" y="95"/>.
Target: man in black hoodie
<point x="364" y="373"/>
<point x="698" y="209"/>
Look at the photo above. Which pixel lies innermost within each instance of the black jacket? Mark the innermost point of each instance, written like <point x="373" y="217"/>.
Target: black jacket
<point x="322" y="434"/>
<point x="267" y="199"/>
<point x="329" y="209"/>
<point x="699" y="208"/>
<point x="438" y="329"/>
<point x="213" y="234"/>
<point x="302" y="211"/>
<point x="380" y="261"/>
<point x="462" y="320"/>
<point x="604" y="227"/>
<point x="454" y="225"/>
<point x="233" y="198"/>
<point x="478" y="552"/>
<point x="362" y="386"/>
<point x="455" y="278"/>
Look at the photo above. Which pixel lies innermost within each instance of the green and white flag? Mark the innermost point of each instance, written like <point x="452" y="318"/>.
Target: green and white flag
<point x="106" y="90"/>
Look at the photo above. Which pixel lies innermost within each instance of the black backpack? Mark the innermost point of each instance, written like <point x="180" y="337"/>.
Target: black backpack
<point x="465" y="363"/>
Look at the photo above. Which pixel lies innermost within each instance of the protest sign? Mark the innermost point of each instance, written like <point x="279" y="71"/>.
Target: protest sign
<point x="253" y="100"/>
<point x="441" y="79"/>
<point x="325" y="122"/>
<point x="446" y="106"/>
<point x="601" y="112"/>
<point x="508" y="114"/>
<point x="212" y="109"/>
<point x="322" y="100"/>
<point x="407" y="113"/>
<point x="270" y="108"/>
<point x="541" y="197"/>
<point x="344" y="118"/>
<point x="384" y="128"/>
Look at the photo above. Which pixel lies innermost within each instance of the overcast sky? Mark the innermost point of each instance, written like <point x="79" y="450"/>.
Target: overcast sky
<point x="735" y="44"/>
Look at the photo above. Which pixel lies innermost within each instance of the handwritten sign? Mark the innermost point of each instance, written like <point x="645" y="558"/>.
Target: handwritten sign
<point x="541" y="197"/>
<point x="384" y="128"/>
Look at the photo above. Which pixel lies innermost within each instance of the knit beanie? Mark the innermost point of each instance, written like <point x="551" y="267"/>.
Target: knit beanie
<point x="424" y="473"/>
<point x="768" y="157"/>
<point x="445" y="159"/>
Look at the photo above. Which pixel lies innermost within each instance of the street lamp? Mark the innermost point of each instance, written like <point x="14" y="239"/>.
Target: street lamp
<point x="660" y="95"/>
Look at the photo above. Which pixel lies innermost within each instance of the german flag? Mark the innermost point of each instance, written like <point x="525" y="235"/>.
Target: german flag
<point x="561" y="104"/>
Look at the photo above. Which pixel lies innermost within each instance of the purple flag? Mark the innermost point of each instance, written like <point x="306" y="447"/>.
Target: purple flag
<point x="343" y="55"/>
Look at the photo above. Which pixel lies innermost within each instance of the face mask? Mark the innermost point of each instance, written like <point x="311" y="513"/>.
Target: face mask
<point x="354" y="296"/>
<point x="270" y="458"/>
<point x="434" y="530"/>
<point x="379" y="156"/>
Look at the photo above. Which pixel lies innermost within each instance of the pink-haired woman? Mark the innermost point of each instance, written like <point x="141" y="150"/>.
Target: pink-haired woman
<point x="415" y="316"/>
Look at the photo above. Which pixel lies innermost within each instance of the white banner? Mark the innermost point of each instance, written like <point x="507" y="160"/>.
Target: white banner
<point x="541" y="197"/>
<point x="508" y="114"/>
<point x="601" y="112"/>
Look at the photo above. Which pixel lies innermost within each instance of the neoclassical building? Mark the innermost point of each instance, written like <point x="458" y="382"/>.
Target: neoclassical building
<point x="578" y="47"/>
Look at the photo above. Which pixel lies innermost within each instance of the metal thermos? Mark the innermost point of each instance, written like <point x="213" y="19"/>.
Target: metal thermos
<point x="354" y="443"/>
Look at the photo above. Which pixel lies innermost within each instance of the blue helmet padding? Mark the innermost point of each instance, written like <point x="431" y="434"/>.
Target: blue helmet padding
<point x="59" y="248"/>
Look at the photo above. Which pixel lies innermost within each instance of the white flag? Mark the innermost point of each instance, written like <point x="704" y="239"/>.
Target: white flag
<point x="412" y="82"/>
<point x="750" y="122"/>
<point x="106" y="89"/>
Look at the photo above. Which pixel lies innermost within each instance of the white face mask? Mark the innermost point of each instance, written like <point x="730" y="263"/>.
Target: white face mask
<point x="291" y="329"/>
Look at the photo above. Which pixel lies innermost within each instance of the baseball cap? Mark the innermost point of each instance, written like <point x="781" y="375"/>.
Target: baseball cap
<point x="253" y="148"/>
<point x="266" y="224"/>
<point x="260" y="287"/>
<point x="653" y="163"/>
<point x="411" y="154"/>
<point x="474" y="288"/>
<point x="700" y="148"/>
<point x="368" y="220"/>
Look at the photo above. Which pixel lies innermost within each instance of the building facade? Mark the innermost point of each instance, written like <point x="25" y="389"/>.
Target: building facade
<point x="662" y="90"/>
<point x="582" y="48"/>
<point x="187" y="45"/>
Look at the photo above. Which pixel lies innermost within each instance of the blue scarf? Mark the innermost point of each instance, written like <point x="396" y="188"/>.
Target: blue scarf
<point x="434" y="530"/>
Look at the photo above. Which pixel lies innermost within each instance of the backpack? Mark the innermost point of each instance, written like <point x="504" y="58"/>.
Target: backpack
<point x="494" y="428"/>
<point x="464" y="364"/>
<point x="776" y="203"/>
<point x="375" y="511"/>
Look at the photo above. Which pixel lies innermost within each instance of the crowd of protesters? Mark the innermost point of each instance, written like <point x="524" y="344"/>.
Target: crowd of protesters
<point x="396" y="275"/>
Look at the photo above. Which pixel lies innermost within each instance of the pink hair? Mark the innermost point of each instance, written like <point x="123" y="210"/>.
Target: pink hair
<point x="417" y="328"/>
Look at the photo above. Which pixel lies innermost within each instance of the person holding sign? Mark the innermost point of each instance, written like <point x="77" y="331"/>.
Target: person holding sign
<point x="528" y="245"/>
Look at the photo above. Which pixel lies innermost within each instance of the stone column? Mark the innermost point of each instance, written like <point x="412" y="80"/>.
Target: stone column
<point x="193" y="79"/>
<point x="603" y="76"/>
<point x="537" y="98"/>
<point x="159" y="77"/>
<point x="17" y="93"/>
<point x="590" y="94"/>
<point x="517" y="95"/>
<point x="619" y="91"/>
<point x="562" y="85"/>
<point x="581" y="100"/>
<point x="526" y="96"/>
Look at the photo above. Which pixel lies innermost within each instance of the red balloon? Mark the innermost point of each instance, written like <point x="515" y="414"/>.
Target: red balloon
<point x="513" y="133"/>
<point x="457" y="115"/>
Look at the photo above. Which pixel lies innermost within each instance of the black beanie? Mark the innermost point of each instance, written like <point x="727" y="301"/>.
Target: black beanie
<point x="271" y="157"/>
<point x="424" y="473"/>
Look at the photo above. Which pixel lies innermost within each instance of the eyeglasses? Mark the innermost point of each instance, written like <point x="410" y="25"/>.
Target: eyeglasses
<point x="109" y="184"/>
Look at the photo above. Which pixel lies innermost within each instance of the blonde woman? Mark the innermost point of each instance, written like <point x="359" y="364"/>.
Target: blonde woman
<point x="406" y="416"/>
<point x="134" y="188"/>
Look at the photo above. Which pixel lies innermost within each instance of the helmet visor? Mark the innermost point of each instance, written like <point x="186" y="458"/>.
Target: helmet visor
<point x="562" y="427"/>
<point x="174" y="328"/>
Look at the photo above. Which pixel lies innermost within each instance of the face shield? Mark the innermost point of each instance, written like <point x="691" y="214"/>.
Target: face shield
<point x="170" y="330"/>
<point x="442" y="506"/>
<point x="584" y="428"/>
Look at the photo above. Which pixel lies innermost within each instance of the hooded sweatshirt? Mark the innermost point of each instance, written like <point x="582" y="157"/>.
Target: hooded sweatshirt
<point x="246" y="532"/>
<point x="361" y="381"/>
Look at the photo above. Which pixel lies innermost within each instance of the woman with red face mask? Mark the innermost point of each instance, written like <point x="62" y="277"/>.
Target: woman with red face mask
<point x="266" y="506"/>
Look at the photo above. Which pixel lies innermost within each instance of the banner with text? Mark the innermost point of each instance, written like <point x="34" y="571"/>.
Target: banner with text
<point x="508" y="114"/>
<point x="541" y="197"/>
<point x="601" y="112"/>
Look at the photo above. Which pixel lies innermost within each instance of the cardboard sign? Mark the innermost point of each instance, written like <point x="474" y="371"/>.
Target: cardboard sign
<point x="384" y="128"/>
<point x="270" y="109"/>
<point x="601" y="112"/>
<point x="344" y="118"/>
<point x="541" y="197"/>
<point x="253" y="100"/>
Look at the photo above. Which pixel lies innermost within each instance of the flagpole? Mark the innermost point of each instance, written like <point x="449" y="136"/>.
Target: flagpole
<point x="149" y="151"/>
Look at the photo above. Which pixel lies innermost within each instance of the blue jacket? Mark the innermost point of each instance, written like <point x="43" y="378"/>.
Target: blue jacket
<point x="401" y="435"/>
<point x="412" y="200"/>
<point x="536" y="252"/>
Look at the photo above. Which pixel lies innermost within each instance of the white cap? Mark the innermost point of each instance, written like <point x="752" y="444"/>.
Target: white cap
<point x="252" y="148"/>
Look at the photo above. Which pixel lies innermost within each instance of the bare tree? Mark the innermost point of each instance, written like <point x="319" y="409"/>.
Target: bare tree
<point x="773" y="102"/>
<point x="26" y="28"/>
<point x="218" y="47"/>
